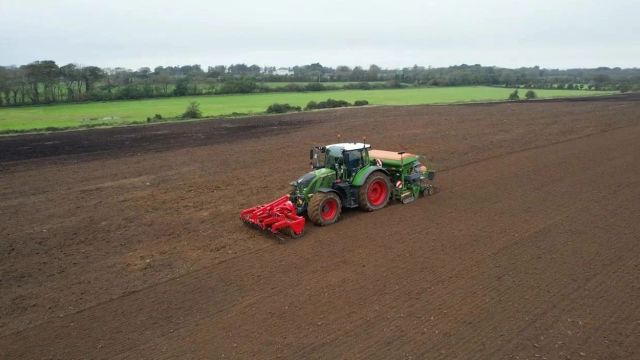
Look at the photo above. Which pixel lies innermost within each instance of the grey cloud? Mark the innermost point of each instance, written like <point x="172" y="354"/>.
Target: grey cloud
<point x="358" y="32"/>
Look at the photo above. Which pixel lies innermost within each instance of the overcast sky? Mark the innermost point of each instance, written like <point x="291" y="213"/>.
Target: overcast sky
<point x="398" y="33"/>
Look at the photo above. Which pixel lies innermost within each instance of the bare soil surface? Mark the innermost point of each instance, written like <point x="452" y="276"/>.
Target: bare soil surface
<point x="126" y="242"/>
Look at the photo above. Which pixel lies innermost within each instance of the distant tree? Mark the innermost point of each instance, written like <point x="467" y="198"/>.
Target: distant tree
<point x="358" y="74"/>
<point x="33" y="76"/>
<point x="18" y="85"/>
<point x="45" y="82"/>
<point x="238" y="69"/>
<point x="361" y="85"/>
<point x="238" y="86"/>
<point x="216" y="71"/>
<point x="514" y="95"/>
<point x="530" y="95"/>
<point x="624" y="88"/>
<point x="182" y="87"/>
<point x="192" y="111"/>
<point x="374" y="72"/>
<point x="190" y="70"/>
<point x="293" y="87"/>
<point x="316" y="70"/>
<point x="281" y="108"/>
<point x="91" y="74"/>
<point x="72" y="79"/>
<point x="311" y="105"/>
<point x="394" y="84"/>
<point x="143" y="72"/>
<point x="600" y="80"/>
<point x="507" y="78"/>
<point x="327" y="104"/>
<point x="4" y="85"/>
<point x="342" y="73"/>
<point x="162" y="81"/>
<point x="42" y="77"/>
<point x="254" y="69"/>
<point x="314" y="87"/>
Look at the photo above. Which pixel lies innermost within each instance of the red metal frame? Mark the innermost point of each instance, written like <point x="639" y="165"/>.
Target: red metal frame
<point x="275" y="216"/>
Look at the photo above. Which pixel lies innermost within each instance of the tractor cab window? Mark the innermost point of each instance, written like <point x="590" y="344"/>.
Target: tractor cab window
<point x="353" y="161"/>
<point x="333" y="158"/>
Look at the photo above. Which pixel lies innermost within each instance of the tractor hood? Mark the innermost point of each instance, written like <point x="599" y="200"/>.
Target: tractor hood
<point x="305" y="180"/>
<point x="307" y="184"/>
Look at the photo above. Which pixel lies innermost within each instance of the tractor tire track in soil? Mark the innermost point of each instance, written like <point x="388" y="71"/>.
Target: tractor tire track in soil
<point x="530" y="249"/>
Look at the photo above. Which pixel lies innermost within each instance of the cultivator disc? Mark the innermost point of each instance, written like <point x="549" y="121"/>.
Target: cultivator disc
<point x="278" y="217"/>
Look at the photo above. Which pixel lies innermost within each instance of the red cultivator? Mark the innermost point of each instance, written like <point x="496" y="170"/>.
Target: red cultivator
<point x="276" y="217"/>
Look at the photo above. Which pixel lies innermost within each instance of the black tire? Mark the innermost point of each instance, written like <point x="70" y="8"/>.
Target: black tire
<point x="364" y="200"/>
<point x="320" y="208"/>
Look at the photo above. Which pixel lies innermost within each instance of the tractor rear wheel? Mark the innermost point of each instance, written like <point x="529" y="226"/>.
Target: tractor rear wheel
<point x="374" y="193"/>
<point x="324" y="208"/>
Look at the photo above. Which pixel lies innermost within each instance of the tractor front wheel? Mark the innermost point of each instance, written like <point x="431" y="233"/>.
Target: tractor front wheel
<point x="374" y="193"/>
<point x="324" y="208"/>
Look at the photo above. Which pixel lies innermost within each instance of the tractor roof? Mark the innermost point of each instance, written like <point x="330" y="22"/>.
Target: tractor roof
<point x="350" y="146"/>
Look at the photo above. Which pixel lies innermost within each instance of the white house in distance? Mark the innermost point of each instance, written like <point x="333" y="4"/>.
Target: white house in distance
<point x="283" y="71"/>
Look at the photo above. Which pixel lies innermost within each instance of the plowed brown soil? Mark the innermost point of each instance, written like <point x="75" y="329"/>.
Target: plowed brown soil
<point x="126" y="242"/>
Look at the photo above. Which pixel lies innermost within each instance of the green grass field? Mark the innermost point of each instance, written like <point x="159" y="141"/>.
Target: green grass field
<point x="274" y="85"/>
<point x="53" y="117"/>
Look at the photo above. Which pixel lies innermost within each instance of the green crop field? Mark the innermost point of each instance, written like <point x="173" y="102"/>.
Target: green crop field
<point x="50" y="117"/>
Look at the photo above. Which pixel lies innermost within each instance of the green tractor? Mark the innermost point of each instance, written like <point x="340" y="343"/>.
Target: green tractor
<point x="344" y="175"/>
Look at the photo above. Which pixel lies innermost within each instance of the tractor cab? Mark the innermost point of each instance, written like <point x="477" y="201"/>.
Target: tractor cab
<point x="344" y="158"/>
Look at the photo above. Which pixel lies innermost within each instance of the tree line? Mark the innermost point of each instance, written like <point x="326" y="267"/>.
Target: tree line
<point x="45" y="82"/>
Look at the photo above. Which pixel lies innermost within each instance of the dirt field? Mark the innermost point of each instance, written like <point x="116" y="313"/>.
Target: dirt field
<point x="126" y="242"/>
